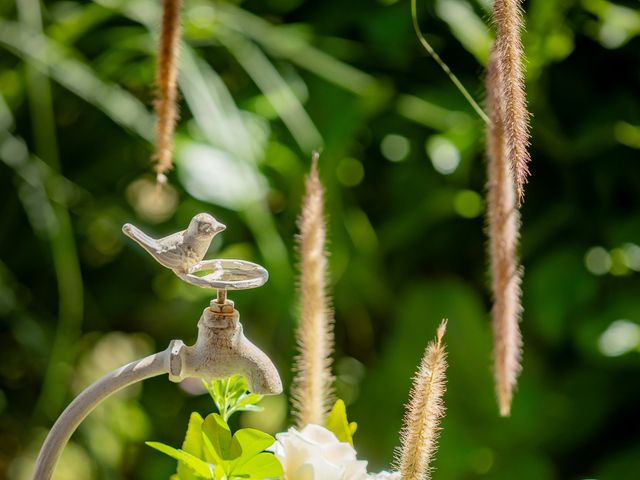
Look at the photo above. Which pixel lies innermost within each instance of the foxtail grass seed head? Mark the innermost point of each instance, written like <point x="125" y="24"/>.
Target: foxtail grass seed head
<point x="509" y="59"/>
<point x="423" y="413"/>
<point x="503" y="223"/>
<point x="166" y="85"/>
<point x="312" y="385"/>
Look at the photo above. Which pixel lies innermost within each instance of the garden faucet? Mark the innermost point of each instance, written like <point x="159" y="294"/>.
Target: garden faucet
<point x="221" y="348"/>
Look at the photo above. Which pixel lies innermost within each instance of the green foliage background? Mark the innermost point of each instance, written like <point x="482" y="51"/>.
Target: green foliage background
<point x="262" y="84"/>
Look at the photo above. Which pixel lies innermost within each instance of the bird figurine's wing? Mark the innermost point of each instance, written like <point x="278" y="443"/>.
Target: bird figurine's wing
<point x="171" y="242"/>
<point x="166" y="251"/>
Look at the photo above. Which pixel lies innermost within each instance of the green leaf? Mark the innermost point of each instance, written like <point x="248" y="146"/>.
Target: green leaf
<point x="218" y="433"/>
<point x="199" y="467"/>
<point x="264" y="465"/>
<point x="237" y="386"/>
<point x="247" y="443"/>
<point x="219" y="473"/>
<point x="337" y="422"/>
<point x="192" y="444"/>
<point x="230" y="395"/>
<point x="211" y="455"/>
<point x="193" y="438"/>
<point x="248" y="400"/>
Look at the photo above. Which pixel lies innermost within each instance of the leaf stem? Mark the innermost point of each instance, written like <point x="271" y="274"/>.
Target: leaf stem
<point x="427" y="46"/>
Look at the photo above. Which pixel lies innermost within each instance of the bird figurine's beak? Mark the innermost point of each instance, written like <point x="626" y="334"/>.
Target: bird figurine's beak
<point x="219" y="227"/>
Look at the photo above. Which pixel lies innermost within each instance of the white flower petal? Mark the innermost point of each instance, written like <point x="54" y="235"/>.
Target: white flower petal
<point x="356" y="470"/>
<point x="315" y="453"/>
<point x="318" y="434"/>
<point x="324" y="471"/>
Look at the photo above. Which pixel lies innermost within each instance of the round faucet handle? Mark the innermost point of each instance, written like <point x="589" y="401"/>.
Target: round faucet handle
<point x="226" y="274"/>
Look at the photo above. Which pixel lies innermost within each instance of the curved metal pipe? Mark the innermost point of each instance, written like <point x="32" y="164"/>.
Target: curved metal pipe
<point x="88" y="400"/>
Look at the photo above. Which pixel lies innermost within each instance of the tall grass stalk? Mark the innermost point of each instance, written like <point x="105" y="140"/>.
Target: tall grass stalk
<point x="312" y="385"/>
<point x="503" y="221"/>
<point x="423" y="413"/>
<point x="167" y="86"/>
<point x="509" y="60"/>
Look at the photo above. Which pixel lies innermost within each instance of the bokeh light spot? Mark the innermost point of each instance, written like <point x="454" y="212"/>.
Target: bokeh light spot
<point x="395" y="147"/>
<point x="350" y="172"/>
<point x="560" y="44"/>
<point x="632" y="256"/>
<point x="482" y="460"/>
<point x="618" y="262"/>
<point x="444" y="155"/>
<point x="621" y="337"/>
<point x="597" y="260"/>
<point x="468" y="204"/>
<point x="151" y="201"/>
<point x="627" y="134"/>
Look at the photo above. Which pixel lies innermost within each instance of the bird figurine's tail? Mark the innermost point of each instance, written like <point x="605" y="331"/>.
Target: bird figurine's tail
<point x="141" y="238"/>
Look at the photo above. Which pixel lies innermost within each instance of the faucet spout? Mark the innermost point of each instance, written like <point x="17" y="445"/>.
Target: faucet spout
<point x="222" y="350"/>
<point x="260" y="372"/>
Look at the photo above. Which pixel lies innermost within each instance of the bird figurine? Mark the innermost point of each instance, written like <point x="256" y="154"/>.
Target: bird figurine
<point x="181" y="251"/>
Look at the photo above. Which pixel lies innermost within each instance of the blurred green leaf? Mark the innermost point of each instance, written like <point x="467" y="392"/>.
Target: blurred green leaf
<point x="337" y="422"/>
<point x="55" y="60"/>
<point x="467" y="26"/>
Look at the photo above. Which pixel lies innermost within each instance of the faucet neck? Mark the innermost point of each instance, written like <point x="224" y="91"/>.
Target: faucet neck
<point x="220" y="315"/>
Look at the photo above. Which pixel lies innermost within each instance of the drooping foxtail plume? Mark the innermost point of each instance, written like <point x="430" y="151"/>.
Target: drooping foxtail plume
<point x="312" y="385"/>
<point x="503" y="224"/>
<point x="166" y="84"/>
<point x="509" y="58"/>
<point x="423" y="412"/>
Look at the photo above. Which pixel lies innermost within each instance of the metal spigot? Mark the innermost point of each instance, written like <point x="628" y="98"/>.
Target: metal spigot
<point x="221" y="348"/>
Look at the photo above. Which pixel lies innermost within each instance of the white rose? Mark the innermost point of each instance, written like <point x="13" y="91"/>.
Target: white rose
<point x="315" y="453"/>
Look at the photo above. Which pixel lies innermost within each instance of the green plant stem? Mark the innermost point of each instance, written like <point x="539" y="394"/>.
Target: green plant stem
<point x="427" y="46"/>
<point x="60" y="236"/>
